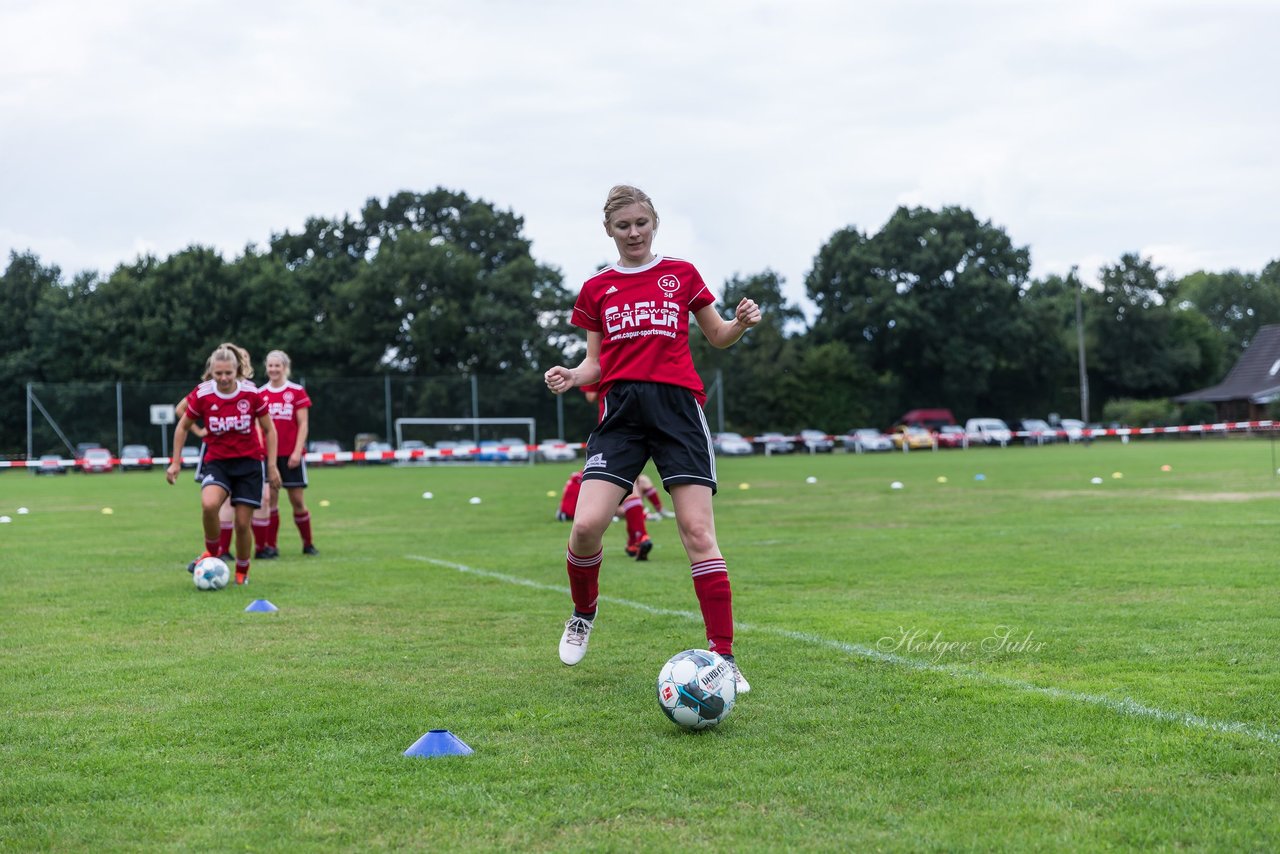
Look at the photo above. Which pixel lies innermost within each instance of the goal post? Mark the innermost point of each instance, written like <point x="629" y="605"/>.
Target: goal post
<point x="446" y="428"/>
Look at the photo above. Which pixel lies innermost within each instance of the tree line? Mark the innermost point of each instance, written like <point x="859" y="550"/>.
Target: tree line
<point x="937" y="308"/>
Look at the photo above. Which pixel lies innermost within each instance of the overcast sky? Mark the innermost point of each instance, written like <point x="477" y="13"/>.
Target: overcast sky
<point x="1085" y="129"/>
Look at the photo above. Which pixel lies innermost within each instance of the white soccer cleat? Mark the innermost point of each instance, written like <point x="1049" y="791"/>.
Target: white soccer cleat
<point x="670" y="514"/>
<point x="739" y="681"/>
<point x="573" y="643"/>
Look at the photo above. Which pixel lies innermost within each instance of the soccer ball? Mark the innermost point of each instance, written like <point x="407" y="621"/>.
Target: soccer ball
<point x="211" y="574"/>
<point x="696" y="689"/>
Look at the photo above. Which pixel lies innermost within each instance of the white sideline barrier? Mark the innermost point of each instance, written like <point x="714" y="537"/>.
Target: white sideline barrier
<point x="432" y="454"/>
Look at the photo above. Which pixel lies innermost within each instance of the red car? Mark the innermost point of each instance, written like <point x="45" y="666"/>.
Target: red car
<point x="96" y="460"/>
<point x="951" y="436"/>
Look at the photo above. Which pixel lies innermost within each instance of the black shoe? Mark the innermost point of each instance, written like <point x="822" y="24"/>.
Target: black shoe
<point x="271" y="552"/>
<point x="191" y="567"/>
<point x="260" y="554"/>
<point x="310" y="550"/>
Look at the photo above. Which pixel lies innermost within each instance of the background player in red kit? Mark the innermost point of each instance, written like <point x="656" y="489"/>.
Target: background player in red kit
<point x="636" y="315"/>
<point x="229" y="405"/>
<point x="632" y="512"/>
<point x="289" y="406"/>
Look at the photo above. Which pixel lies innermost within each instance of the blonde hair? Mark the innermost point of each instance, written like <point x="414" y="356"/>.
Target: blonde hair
<point x="622" y="195"/>
<point x="283" y="357"/>
<point x="228" y="352"/>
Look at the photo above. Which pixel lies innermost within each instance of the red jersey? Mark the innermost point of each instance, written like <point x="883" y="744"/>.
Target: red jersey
<point x="229" y="420"/>
<point x="642" y="314"/>
<point x="569" y="501"/>
<point x="283" y="404"/>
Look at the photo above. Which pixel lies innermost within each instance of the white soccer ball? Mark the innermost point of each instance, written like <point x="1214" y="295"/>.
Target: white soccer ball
<point x="696" y="689"/>
<point x="211" y="574"/>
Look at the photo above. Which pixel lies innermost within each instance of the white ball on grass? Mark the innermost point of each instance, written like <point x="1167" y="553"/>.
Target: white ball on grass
<point x="428" y="495"/>
<point x="475" y="500"/>
<point x="897" y="484"/>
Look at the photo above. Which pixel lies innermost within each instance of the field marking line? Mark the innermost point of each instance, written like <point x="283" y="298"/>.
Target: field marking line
<point x="1121" y="705"/>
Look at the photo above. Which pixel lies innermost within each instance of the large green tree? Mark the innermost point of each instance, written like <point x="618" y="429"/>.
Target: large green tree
<point x="931" y="303"/>
<point x="1142" y="345"/>
<point x="1236" y="303"/>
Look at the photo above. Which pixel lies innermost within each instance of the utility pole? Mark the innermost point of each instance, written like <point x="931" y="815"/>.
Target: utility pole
<point x="1084" y="373"/>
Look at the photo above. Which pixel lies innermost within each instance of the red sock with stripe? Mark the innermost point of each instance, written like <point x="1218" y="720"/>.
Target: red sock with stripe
<point x="242" y="571"/>
<point x="213" y="546"/>
<point x="225" y="530"/>
<point x="633" y="509"/>
<point x="651" y="494"/>
<point x="304" y="527"/>
<point x="584" y="582"/>
<point x="715" y="598"/>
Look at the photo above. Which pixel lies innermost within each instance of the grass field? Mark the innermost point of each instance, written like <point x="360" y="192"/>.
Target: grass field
<point x="1027" y="661"/>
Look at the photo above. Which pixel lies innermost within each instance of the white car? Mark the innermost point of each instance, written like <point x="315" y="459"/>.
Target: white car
<point x="1074" y="428"/>
<point x="866" y="439"/>
<point x="557" y="451"/>
<point x="988" y="431"/>
<point x="731" y="445"/>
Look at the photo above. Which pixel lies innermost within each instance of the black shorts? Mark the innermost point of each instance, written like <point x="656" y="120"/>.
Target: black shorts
<point x="292" y="478"/>
<point x="241" y="477"/>
<point x="657" y="421"/>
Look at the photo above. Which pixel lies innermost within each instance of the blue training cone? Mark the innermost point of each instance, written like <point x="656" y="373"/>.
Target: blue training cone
<point x="439" y="742"/>
<point x="261" y="605"/>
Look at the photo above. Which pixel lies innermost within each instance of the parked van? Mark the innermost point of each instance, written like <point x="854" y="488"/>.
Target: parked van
<point x="929" y="419"/>
<point x="988" y="431"/>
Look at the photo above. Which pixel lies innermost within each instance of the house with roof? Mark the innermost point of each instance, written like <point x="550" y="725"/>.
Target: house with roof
<point x="1250" y="385"/>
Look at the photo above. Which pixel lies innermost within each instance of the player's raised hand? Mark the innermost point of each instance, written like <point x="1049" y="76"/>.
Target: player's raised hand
<point x="747" y="313"/>
<point x="559" y="379"/>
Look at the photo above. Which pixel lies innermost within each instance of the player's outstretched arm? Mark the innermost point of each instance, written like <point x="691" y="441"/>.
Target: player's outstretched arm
<point x="724" y="333"/>
<point x="560" y="379"/>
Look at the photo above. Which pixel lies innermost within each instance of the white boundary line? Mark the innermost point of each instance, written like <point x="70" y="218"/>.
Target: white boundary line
<point x="1122" y="705"/>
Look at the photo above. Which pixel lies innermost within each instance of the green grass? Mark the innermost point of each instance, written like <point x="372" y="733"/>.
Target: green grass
<point x="141" y="714"/>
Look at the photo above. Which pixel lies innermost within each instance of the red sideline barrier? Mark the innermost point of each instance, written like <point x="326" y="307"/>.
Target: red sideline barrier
<point x="434" y="454"/>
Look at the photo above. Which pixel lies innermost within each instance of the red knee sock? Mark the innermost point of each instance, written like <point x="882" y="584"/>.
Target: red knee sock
<point x="633" y="509"/>
<point x="651" y="494"/>
<point x="214" y="546"/>
<point x="304" y="527"/>
<point x="261" y="533"/>
<point x="225" y="530"/>
<point x="715" y="598"/>
<point x="584" y="580"/>
<point x="273" y="529"/>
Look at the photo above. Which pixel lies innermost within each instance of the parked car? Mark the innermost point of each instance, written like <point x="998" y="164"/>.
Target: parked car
<point x="97" y="460"/>
<point x="451" y="451"/>
<point x="414" y="446"/>
<point x="864" y="439"/>
<point x="951" y="436"/>
<point x="491" y="451"/>
<point x="1038" y="431"/>
<point x="81" y="447"/>
<point x="817" y="442"/>
<point x="190" y="456"/>
<point x="325" y="446"/>
<point x="1074" y="429"/>
<point x="49" y="464"/>
<point x="517" y="449"/>
<point x="987" y="431"/>
<point x="136" y="457"/>
<point x="775" y="443"/>
<point x="914" y="438"/>
<point x="374" y="453"/>
<point x="930" y="419"/>
<point x="731" y="445"/>
<point x="557" y="451"/>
